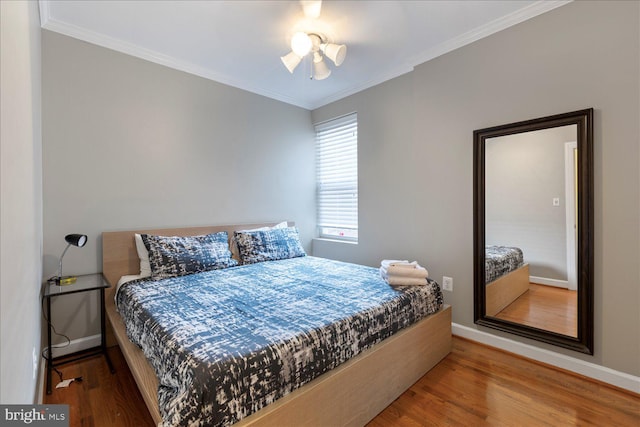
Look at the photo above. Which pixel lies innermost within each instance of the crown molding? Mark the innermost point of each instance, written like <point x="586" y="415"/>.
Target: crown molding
<point x="533" y="10"/>
<point x="52" y="24"/>
<point x="396" y="72"/>
<point x="45" y="12"/>
<point x="514" y="18"/>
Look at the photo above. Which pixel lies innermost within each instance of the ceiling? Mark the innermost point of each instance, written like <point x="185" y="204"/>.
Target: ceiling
<point x="239" y="43"/>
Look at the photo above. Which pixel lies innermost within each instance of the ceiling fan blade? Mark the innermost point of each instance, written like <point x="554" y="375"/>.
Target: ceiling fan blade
<point x="311" y="8"/>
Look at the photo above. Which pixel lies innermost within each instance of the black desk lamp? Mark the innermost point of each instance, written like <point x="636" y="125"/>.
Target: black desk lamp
<point x="78" y="240"/>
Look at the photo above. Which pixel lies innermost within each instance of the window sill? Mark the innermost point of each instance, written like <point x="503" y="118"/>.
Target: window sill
<point x="330" y="240"/>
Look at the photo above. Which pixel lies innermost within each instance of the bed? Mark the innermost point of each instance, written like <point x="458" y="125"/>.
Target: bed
<point x="350" y="394"/>
<point x="506" y="277"/>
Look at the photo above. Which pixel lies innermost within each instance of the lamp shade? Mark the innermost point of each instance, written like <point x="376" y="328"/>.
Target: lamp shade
<point x="320" y="69"/>
<point x="78" y="240"/>
<point x="335" y="52"/>
<point x="291" y="61"/>
<point x="311" y="8"/>
<point x="301" y="43"/>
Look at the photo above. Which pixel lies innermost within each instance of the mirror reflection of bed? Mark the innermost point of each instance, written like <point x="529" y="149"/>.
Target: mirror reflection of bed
<point x="513" y="297"/>
<point x="530" y="229"/>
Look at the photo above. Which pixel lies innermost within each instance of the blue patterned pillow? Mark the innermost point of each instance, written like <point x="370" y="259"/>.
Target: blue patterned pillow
<point x="179" y="256"/>
<point x="268" y="245"/>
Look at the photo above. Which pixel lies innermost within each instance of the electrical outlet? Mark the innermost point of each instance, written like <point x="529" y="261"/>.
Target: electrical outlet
<point x="447" y="283"/>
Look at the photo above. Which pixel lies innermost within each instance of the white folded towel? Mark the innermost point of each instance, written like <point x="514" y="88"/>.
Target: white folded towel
<point x="403" y="272"/>
<point x="398" y="263"/>
<point x="419" y="271"/>
<point x="406" y="281"/>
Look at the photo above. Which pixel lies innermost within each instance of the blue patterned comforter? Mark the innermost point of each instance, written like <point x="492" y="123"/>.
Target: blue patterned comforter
<point x="225" y="343"/>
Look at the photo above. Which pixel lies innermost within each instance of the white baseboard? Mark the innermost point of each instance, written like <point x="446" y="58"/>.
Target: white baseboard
<point x="549" y="282"/>
<point x="591" y="370"/>
<point x="41" y="378"/>
<point x="77" y="345"/>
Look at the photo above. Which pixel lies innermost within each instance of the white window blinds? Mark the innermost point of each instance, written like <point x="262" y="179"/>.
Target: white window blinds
<point x="337" y="177"/>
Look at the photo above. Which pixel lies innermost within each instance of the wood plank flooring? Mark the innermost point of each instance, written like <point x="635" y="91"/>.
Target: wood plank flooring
<point x="473" y="386"/>
<point x="102" y="398"/>
<point x="545" y="307"/>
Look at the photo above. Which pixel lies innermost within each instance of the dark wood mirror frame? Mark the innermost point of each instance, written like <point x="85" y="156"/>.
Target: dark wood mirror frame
<point x="584" y="121"/>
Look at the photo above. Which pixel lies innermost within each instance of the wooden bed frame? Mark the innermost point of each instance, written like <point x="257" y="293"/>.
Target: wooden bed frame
<point x="506" y="289"/>
<point x="350" y="395"/>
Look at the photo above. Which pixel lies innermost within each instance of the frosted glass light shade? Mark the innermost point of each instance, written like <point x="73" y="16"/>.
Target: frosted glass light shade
<point x="301" y="43"/>
<point x="291" y="61"/>
<point x="311" y="8"/>
<point x="320" y="69"/>
<point x="335" y="52"/>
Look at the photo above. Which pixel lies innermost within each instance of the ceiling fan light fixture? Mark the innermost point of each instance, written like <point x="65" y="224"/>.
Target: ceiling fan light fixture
<point x="301" y="44"/>
<point x="291" y="61"/>
<point x="335" y="52"/>
<point x="304" y="42"/>
<point x="320" y="69"/>
<point x="311" y="8"/>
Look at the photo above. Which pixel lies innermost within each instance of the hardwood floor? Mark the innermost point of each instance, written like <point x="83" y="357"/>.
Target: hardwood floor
<point x="480" y="386"/>
<point x="473" y="386"/>
<point x="102" y="398"/>
<point x="545" y="307"/>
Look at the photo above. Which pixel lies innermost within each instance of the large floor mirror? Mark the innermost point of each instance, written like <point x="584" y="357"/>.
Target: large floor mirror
<point x="533" y="229"/>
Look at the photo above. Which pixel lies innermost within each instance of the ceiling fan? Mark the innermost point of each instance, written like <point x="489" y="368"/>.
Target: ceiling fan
<point x="305" y="42"/>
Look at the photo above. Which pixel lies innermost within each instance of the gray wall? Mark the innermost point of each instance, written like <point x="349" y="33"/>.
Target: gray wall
<point x="131" y="144"/>
<point x="523" y="174"/>
<point x="416" y="157"/>
<point x="20" y="201"/>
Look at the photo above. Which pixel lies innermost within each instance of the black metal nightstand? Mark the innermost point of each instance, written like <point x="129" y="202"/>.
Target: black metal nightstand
<point x="85" y="283"/>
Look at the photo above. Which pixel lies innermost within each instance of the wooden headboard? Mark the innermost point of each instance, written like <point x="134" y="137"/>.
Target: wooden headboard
<point x="120" y="258"/>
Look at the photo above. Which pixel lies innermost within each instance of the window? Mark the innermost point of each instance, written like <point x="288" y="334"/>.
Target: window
<point x="337" y="178"/>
